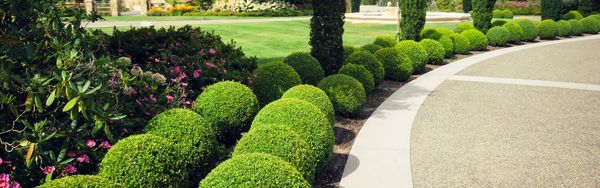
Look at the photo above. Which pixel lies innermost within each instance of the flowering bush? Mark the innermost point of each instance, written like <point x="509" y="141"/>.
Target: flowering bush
<point x="158" y="12"/>
<point x="250" y="5"/>
<point x="520" y="7"/>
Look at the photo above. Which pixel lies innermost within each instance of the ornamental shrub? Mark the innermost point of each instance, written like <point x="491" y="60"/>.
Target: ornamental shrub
<point x="590" y="25"/>
<point x="461" y="43"/>
<point x="371" y="48"/>
<point x="564" y="28"/>
<point x="430" y="33"/>
<point x="548" y="29"/>
<point x="498" y="23"/>
<point x="413" y="18"/>
<point x="360" y="73"/>
<point x="385" y="41"/>
<point x="306" y="66"/>
<point x="477" y="40"/>
<point x="88" y="181"/>
<point x="280" y="141"/>
<point x="396" y="63"/>
<point x="349" y="50"/>
<point x="448" y="45"/>
<point x="255" y="170"/>
<point x="507" y="14"/>
<point x="303" y="118"/>
<point x="497" y="13"/>
<point x="482" y="14"/>
<point x="370" y="62"/>
<point x="551" y="9"/>
<point x="572" y="15"/>
<point x="417" y="54"/>
<point x="576" y="27"/>
<point x="463" y="26"/>
<point x="327" y="29"/>
<point x="272" y="79"/>
<point x="346" y="94"/>
<point x="530" y="30"/>
<point x="315" y="96"/>
<point x="516" y="33"/>
<point x="229" y="106"/>
<point x="498" y="36"/>
<point x="435" y="51"/>
<point x="145" y="160"/>
<point x="444" y="31"/>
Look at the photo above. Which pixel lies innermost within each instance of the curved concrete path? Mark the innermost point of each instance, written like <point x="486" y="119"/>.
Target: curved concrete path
<point x="526" y="116"/>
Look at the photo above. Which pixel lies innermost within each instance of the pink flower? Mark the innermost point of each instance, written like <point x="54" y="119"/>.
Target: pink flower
<point x="210" y="65"/>
<point x="90" y="143"/>
<point x="197" y="73"/>
<point x="83" y="158"/>
<point x="184" y="84"/>
<point x="186" y="102"/>
<point x="15" y="185"/>
<point x="4" y="184"/>
<point x="106" y="145"/>
<point x="71" y="154"/>
<point x="152" y="98"/>
<point x="70" y="169"/>
<point x="177" y="70"/>
<point x="201" y="52"/>
<point x="4" y="177"/>
<point x="1" y="161"/>
<point x="157" y="60"/>
<point x="212" y="51"/>
<point x="170" y="98"/>
<point x="49" y="170"/>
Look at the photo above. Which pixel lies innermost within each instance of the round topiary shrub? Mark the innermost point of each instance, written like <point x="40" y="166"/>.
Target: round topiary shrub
<point x="576" y="27"/>
<point x="498" y="23"/>
<point x="435" y="51"/>
<point x="398" y="65"/>
<point x="303" y="118"/>
<point x="144" y="160"/>
<point x="315" y="96"/>
<point x="590" y="25"/>
<point x="564" y="28"/>
<point x="572" y="15"/>
<point x="307" y="67"/>
<point x="88" y="181"/>
<point x="272" y="79"/>
<point x="498" y="36"/>
<point x="448" y="45"/>
<point x="229" y="106"/>
<point x="385" y="41"/>
<point x="279" y="141"/>
<point x="463" y="26"/>
<point x="548" y="29"/>
<point x="359" y="73"/>
<point x="516" y="33"/>
<point x="346" y="94"/>
<point x="507" y="14"/>
<point x="530" y="30"/>
<point x="497" y="14"/>
<point x="255" y="170"/>
<point x="595" y="16"/>
<point x="430" y="33"/>
<point x="461" y="43"/>
<point x="371" y="48"/>
<point x="370" y="62"/>
<point x="444" y="31"/>
<point x="477" y="40"/>
<point x="417" y="54"/>
<point x="349" y="50"/>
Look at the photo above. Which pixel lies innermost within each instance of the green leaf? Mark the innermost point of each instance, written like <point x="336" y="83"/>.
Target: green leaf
<point x="62" y="154"/>
<point x="86" y="86"/>
<point x="38" y="103"/>
<point x="59" y="62"/>
<point x="108" y="134"/>
<point x="67" y="161"/>
<point x="94" y="90"/>
<point x="51" y="98"/>
<point x="115" y="118"/>
<point x="99" y="125"/>
<point x="70" y="104"/>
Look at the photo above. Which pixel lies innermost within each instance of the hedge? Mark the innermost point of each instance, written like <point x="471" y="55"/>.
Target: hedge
<point x="417" y="54"/>
<point x="307" y="67"/>
<point x="272" y="79"/>
<point x="448" y="45"/>
<point x="548" y="29"/>
<point x="477" y="40"/>
<point x="435" y="51"/>
<point x="370" y="62"/>
<point x="590" y="25"/>
<point x="413" y="18"/>
<point x="530" y="30"/>
<point x="360" y="73"/>
<point x="430" y="33"/>
<point x="463" y="26"/>
<point x="346" y="94"/>
<point x="88" y="181"/>
<point x="498" y="36"/>
<point x="516" y="33"/>
<point x="564" y="28"/>
<point x="482" y="14"/>
<point x="461" y="43"/>
<point x="315" y="96"/>
<point x="385" y="41"/>
<point x="327" y="29"/>
<point x="371" y="48"/>
<point x="572" y="15"/>
<point x="349" y="50"/>
<point x="576" y="27"/>
<point x="397" y="64"/>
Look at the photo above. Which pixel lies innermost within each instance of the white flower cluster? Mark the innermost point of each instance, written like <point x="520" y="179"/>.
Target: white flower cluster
<point x="249" y="5"/>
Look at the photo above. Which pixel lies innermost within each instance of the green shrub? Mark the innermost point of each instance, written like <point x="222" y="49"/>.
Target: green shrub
<point x="272" y="79"/>
<point x="305" y="119"/>
<point x="327" y="29"/>
<point x="315" y="96"/>
<point x="482" y="14"/>
<point x="385" y="41"/>
<point x="430" y="33"/>
<point x="564" y="28"/>
<point x="279" y="141"/>
<point x="551" y="9"/>
<point x="144" y="161"/>
<point x="306" y="66"/>
<point x="498" y="36"/>
<point x="595" y="16"/>
<point x="413" y="18"/>
<point x="461" y="43"/>
<point x="548" y="29"/>
<point x="590" y="25"/>
<point x="396" y="63"/>
<point x="498" y="23"/>
<point x="444" y="31"/>
<point x="435" y="51"/>
<point x="516" y="33"/>
<point x="349" y="50"/>
<point x="507" y="14"/>
<point x="229" y="107"/>
<point x="87" y="181"/>
<point x="371" y="48"/>
<point x="497" y="14"/>
<point x="360" y="73"/>
<point x="417" y="54"/>
<point x="370" y="62"/>
<point x="477" y="40"/>
<point x="346" y="94"/>
<point x="530" y="30"/>
<point x="576" y="27"/>
<point x="448" y="45"/>
<point x="255" y="170"/>
<point x="572" y="15"/>
<point x="463" y="26"/>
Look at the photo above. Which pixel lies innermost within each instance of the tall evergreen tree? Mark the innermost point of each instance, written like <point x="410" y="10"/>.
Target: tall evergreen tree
<point x="327" y="28"/>
<point x="467" y="6"/>
<point x="551" y="9"/>
<point x="413" y="18"/>
<point x="482" y="14"/>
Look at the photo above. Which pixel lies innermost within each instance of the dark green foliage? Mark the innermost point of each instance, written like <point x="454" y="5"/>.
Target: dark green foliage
<point x="530" y="30"/>
<point x="446" y="5"/>
<point x="144" y="161"/>
<point x="80" y="181"/>
<point x="498" y="36"/>
<point x="590" y="25"/>
<point x="349" y="50"/>
<point x="548" y="29"/>
<point x="576" y="27"/>
<point x="463" y="26"/>
<point x="417" y="54"/>
<point x="315" y="96"/>
<point x="356" y="5"/>
<point x="572" y="15"/>
<point x="477" y="40"/>
<point x="397" y="64"/>
<point x="516" y="33"/>
<point x="482" y="14"/>
<point x="587" y="7"/>
<point x="306" y="66"/>
<point x="435" y="51"/>
<point x="346" y="94"/>
<point x="360" y="73"/>
<point x="327" y="29"/>
<point x="229" y="107"/>
<point x="272" y="79"/>
<point x="413" y="18"/>
<point x="370" y="62"/>
<point x="303" y="118"/>
<point x="498" y="23"/>
<point x="430" y="33"/>
<point x="551" y="9"/>
<point x="448" y="45"/>
<point x="386" y="41"/>
<point x="255" y="170"/>
<point x="564" y="28"/>
<point x="467" y="6"/>
<point x="461" y="43"/>
<point x="371" y="48"/>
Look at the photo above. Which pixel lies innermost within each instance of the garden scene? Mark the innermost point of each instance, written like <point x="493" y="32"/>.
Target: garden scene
<point x="299" y="93"/>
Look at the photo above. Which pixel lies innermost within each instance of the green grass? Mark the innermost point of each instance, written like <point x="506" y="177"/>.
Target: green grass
<point x="173" y="18"/>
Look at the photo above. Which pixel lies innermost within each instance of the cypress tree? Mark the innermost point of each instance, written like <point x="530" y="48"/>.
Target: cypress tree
<point x="413" y="18"/>
<point x="551" y="9"/>
<point x="355" y="5"/>
<point x="467" y="6"/>
<point x="327" y="28"/>
<point x="482" y="14"/>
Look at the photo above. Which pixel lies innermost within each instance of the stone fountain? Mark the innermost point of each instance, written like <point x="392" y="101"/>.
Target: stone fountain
<point x="388" y="13"/>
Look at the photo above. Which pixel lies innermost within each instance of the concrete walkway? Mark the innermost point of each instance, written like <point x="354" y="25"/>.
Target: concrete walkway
<point x="526" y="116"/>
<point x="190" y="22"/>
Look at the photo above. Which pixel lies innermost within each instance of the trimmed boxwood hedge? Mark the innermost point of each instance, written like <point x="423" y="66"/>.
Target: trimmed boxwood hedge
<point x="255" y="170"/>
<point x="530" y="30"/>
<point x="548" y="29"/>
<point x="346" y="94"/>
<point x="272" y="79"/>
<point x="463" y="26"/>
<point x="435" y="51"/>
<point x="564" y="28"/>
<point x="144" y="160"/>
<point x="516" y="33"/>
<point x="305" y="119"/>
<point x="349" y="50"/>
<point x="229" y="106"/>
<point x="87" y="181"/>
<point x="572" y="15"/>
<point x="444" y="31"/>
<point x="590" y="25"/>
<point x="396" y="63"/>
<point x="371" y="48"/>
<point x="315" y="96"/>
<point x="498" y="36"/>
<point x="307" y="67"/>
<point x="417" y="54"/>
<point x="385" y="41"/>
<point x="359" y="73"/>
<point x="477" y="40"/>
<point x="461" y="43"/>
<point x="370" y="62"/>
<point x="498" y="23"/>
<point x="576" y="27"/>
<point x="430" y="33"/>
<point x="448" y="45"/>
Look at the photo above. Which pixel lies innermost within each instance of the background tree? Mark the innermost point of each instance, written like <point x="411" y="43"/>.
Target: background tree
<point x="587" y="7"/>
<point x="467" y="6"/>
<point x="482" y="14"/>
<point x="551" y="9"/>
<point x="327" y="28"/>
<point x="356" y="5"/>
<point x="413" y="18"/>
